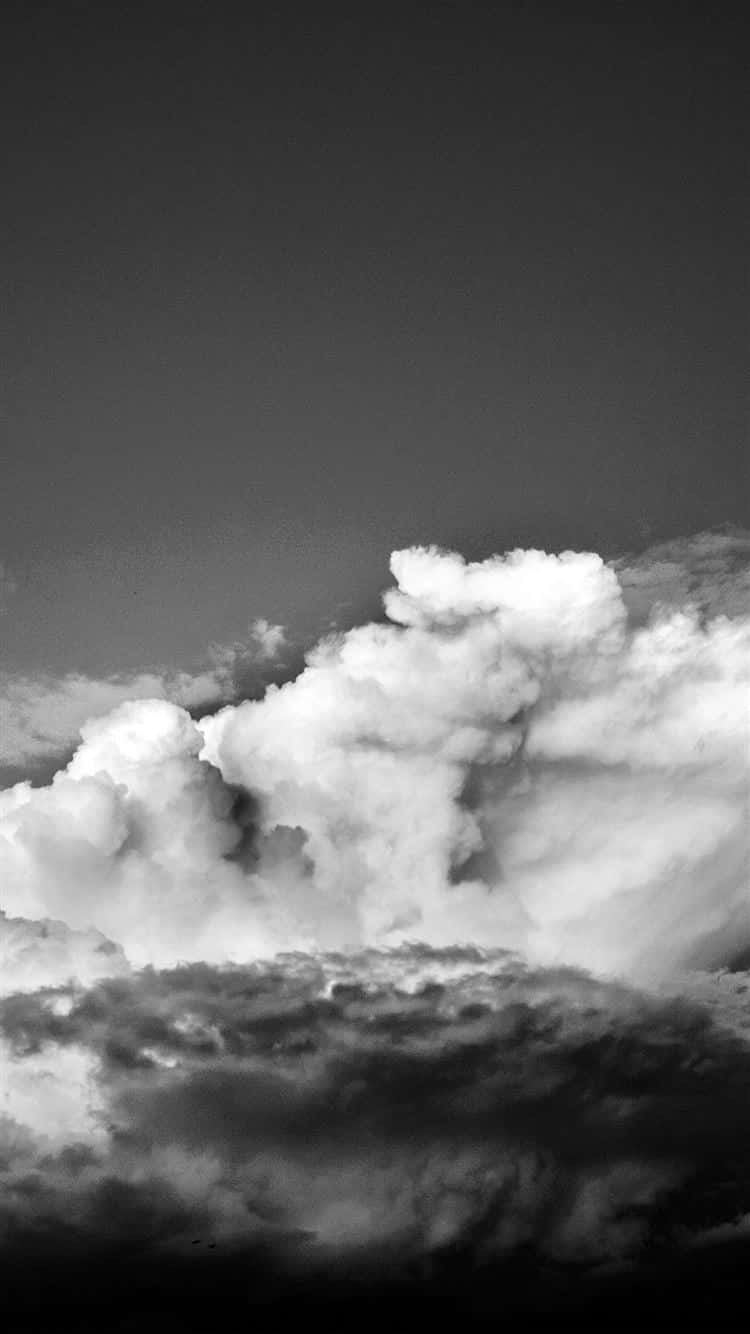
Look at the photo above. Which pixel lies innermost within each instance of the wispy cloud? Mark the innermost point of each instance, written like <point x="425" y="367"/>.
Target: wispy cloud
<point x="42" y="714"/>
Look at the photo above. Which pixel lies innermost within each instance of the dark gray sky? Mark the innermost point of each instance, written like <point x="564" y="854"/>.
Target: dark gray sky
<point x="286" y="288"/>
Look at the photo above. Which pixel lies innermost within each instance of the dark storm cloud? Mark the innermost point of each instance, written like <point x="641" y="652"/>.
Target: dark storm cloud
<point x="428" y="1101"/>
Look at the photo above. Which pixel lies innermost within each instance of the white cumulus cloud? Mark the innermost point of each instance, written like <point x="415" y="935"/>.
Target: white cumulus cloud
<point x="508" y="761"/>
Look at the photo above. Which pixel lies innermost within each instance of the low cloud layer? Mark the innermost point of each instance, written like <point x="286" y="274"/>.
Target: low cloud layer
<point x="380" y="1111"/>
<point x="435" y="948"/>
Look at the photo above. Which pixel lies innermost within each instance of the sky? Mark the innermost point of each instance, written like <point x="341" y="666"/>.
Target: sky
<point x="374" y="668"/>
<point x="287" y="291"/>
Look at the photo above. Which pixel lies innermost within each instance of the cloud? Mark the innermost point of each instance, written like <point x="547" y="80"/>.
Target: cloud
<point x="42" y="715"/>
<point x="507" y="761"/>
<point x="48" y="953"/>
<point x="512" y="762"/>
<point x="270" y="639"/>
<point x="51" y="1096"/>
<point x="135" y="839"/>
<point x="710" y="571"/>
<point x="405" y="1105"/>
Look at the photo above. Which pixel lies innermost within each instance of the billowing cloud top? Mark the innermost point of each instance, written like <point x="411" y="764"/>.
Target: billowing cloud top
<point x="505" y="762"/>
<point x="534" y="768"/>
